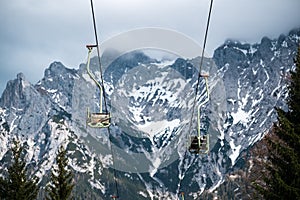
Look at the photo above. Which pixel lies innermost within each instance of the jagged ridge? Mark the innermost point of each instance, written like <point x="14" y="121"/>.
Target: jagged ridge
<point x="249" y="81"/>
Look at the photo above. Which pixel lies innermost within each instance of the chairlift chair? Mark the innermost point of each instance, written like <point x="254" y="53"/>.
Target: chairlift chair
<point x="199" y="144"/>
<point x="194" y="145"/>
<point x="96" y="119"/>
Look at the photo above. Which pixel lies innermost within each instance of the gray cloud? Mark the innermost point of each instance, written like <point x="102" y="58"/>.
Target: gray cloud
<point x="35" y="33"/>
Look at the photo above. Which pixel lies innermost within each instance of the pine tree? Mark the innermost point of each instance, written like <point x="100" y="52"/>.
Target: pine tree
<point x="61" y="184"/>
<point x="282" y="180"/>
<point x="16" y="185"/>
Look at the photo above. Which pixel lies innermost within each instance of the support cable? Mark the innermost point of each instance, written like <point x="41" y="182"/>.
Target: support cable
<point x="105" y="102"/>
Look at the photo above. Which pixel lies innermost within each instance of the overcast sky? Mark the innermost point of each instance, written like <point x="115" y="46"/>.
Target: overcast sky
<point x="34" y="33"/>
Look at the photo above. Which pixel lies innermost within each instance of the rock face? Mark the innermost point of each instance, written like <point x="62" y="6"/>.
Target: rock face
<point x="151" y="103"/>
<point x="255" y="78"/>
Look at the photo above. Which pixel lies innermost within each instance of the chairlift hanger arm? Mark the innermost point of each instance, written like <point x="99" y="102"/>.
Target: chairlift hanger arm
<point x="90" y="48"/>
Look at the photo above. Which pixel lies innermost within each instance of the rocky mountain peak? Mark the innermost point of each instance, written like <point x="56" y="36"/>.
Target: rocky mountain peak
<point x="58" y="84"/>
<point x="55" y="68"/>
<point x="125" y="63"/>
<point x="16" y="92"/>
<point x="21" y="76"/>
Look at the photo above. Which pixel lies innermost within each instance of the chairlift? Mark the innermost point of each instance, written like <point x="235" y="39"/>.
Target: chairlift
<point x="199" y="144"/>
<point x="96" y="119"/>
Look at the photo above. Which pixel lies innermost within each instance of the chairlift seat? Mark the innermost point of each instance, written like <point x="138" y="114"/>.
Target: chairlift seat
<point x="98" y="120"/>
<point x="203" y="142"/>
<point x="194" y="146"/>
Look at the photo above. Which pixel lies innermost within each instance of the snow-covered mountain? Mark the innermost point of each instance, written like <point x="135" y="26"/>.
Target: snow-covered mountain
<point x="151" y="103"/>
